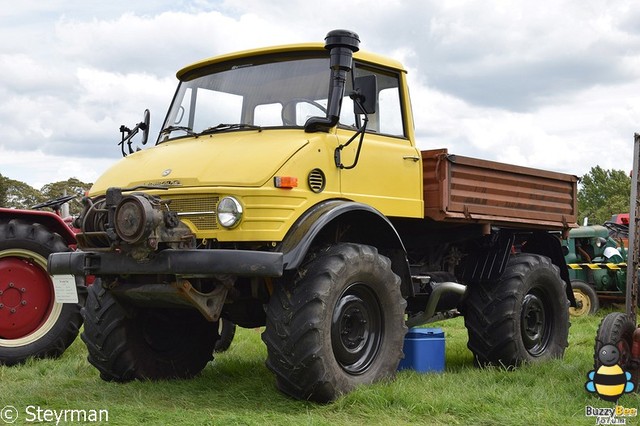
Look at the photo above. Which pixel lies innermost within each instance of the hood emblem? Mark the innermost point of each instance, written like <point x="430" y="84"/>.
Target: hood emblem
<point x="166" y="172"/>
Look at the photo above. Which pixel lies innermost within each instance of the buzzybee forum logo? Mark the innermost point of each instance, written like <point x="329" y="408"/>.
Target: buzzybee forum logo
<point x="609" y="381"/>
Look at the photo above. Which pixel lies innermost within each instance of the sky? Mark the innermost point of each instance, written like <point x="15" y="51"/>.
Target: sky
<point x="550" y="84"/>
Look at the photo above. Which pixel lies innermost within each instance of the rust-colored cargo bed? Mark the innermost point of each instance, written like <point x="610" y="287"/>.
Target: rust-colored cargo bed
<point x="458" y="188"/>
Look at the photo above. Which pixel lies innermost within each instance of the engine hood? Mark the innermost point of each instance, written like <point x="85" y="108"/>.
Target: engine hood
<point x="241" y="158"/>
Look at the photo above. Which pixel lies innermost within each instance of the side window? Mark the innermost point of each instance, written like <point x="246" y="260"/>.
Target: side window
<point x="390" y="112"/>
<point x="387" y="119"/>
<point x="184" y="112"/>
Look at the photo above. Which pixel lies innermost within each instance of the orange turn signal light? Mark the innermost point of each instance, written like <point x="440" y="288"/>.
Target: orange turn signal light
<point x="285" y="182"/>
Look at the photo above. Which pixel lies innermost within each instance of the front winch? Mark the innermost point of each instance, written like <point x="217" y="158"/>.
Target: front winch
<point x="136" y="219"/>
<point x="137" y="224"/>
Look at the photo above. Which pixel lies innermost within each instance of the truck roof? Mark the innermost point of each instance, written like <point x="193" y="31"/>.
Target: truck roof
<point x="360" y="55"/>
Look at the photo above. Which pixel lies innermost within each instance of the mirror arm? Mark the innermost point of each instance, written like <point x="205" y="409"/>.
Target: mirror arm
<point x="143" y="125"/>
<point x="338" y="151"/>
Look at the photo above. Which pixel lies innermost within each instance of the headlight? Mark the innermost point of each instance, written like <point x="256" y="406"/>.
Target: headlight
<point x="229" y="212"/>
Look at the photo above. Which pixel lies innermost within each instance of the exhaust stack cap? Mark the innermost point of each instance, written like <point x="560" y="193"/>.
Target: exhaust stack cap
<point x="342" y="38"/>
<point x="341" y="44"/>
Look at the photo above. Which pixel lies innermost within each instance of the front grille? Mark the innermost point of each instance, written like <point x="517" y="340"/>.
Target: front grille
<point x="200" y="211"/>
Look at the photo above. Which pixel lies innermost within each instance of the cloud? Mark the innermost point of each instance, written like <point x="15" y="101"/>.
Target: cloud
<point x="548" y="84"/>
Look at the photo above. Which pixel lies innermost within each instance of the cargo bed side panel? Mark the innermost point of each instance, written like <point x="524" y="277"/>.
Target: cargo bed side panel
<point x="458" y="188"/>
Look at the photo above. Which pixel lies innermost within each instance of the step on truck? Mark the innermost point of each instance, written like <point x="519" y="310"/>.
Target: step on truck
<point x="286" y="191"/>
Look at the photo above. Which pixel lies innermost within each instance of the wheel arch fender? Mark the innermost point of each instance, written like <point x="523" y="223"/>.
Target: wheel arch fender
<point x="49" y="220"/>
<point x="549" y="245"/>
<point x="337" y="220"/>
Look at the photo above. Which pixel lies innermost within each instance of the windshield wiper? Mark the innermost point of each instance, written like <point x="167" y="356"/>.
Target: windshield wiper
<point x="185" y="129"/>
<point x="222" y="127"/>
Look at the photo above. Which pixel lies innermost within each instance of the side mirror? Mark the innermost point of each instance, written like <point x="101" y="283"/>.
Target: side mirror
<point x="128" y="134"/>
<point x="144" y="126"/>
<point x="365" y="94"/>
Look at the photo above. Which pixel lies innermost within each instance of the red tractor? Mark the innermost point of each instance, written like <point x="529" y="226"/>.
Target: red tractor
<point x="39" y="317"/>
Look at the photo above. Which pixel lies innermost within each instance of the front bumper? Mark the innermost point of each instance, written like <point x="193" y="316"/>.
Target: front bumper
<point x="174" y="262"/>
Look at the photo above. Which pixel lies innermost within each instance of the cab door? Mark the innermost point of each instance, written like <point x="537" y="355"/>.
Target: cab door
<point x="387" y="173"/>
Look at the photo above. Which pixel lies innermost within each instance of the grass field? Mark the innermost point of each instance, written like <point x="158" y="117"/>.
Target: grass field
<point x="236" y="388"/>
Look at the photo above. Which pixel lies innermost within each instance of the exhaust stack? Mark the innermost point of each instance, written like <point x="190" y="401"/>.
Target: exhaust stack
<point x="341" y="44"/>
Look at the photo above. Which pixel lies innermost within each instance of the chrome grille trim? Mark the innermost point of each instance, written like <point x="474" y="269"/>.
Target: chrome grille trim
<point x="200" y="211"/>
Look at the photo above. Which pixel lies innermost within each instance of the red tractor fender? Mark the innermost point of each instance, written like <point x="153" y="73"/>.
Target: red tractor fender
<point x="49" y="219"/>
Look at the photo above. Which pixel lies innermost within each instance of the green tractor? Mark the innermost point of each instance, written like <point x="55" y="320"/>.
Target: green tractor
<point x="596" y="257"/>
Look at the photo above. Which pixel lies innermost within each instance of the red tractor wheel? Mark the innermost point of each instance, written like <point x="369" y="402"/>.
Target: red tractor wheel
<point x="32" y="324"/>
<point x="27" y="306"/>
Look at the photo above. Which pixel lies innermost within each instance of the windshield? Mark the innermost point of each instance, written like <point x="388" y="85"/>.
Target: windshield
<point x="283" y="93"/>
<point x="272" y="91"/>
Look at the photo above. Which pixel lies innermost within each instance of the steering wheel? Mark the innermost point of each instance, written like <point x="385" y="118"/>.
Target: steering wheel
<point x="55" y="203"/>
<point x="291" y="103"/>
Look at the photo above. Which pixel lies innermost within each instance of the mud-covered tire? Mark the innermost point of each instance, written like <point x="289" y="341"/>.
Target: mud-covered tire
<point x="524" y="317"/>
<point x="586" y="297"/>
<point x="615" y="329"/>
<point x="227" y="331"/>
<point x="32" y="324"/>
<point x="337" y="325"/>
<point x="144" y="343"/>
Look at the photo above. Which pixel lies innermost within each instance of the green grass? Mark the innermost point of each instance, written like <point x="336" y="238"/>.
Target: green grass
<point x="236" y="388"/>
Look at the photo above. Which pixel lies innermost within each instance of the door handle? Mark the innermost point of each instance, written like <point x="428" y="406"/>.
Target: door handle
<point x="413" y="158"/>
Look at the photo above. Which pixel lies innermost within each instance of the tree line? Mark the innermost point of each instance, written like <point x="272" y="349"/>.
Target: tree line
<point x="19" y="195"/>
<point x="602" y="193"/>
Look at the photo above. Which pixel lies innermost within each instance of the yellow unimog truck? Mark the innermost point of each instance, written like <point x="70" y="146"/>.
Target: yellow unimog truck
<point x="286" y="191"/>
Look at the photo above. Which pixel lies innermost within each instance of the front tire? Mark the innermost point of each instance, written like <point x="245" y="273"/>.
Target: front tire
<point x="337" y="325"/>
<point x="615" y="329"/>
<point x="144" y="343"/>
<point x="524" y="317"/>
<point x="227" y="331"/>
<point x="32" y="324"/>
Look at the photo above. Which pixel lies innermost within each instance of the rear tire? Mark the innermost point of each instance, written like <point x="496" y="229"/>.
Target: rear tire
<point x="32" y="324"/>
<point x="524" y="317"/>
<point x="337" y="325"/>
<point x="586" y="297"/>
<point x="144" y="343"/>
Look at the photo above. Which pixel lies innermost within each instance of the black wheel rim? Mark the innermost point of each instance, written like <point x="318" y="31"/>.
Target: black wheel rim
<point x="357" y="329"/>
<point x="536" y="321"/>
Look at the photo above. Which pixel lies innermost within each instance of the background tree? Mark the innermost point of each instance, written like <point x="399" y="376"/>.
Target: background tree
<point x="603" y="193"/>
<point x="3" y="191"/>
<point x="66" y="187"/>
<point x="20" y="195"/>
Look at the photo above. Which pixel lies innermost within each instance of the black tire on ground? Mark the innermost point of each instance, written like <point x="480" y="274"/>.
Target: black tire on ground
<point x="144" y="343"/>
<point x="615" y="329"/>
<point x="586" y="298"/>
<point x="227" y="331"/>
<point x="32" y="324"/>
<point x="338" y="324"/>
<point x="524" y="317"/>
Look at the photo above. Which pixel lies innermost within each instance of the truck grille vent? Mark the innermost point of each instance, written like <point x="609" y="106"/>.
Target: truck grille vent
<point x="316" y="180"/>
<point x="200" y="211"/>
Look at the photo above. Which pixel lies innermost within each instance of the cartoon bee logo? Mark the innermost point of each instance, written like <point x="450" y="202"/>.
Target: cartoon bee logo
<point x="610" y="381"/>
